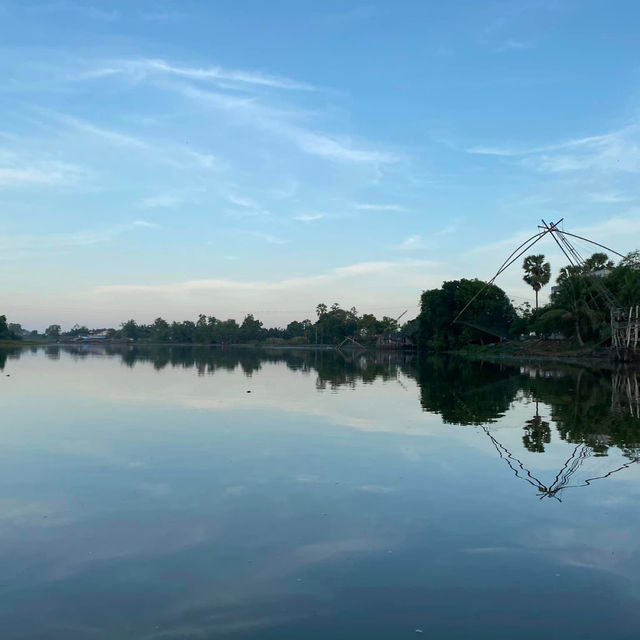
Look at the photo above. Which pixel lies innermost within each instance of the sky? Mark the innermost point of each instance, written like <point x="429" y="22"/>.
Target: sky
<point x="165" y="158"/>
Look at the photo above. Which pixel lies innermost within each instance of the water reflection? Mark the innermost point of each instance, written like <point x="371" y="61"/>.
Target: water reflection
<point x="145" y="494"/>
<point x="8" y="353"/>
<point x="334" y="369"/>
<point x="591" y="408"/>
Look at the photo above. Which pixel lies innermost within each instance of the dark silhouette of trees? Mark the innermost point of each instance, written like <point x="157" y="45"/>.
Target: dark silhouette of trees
<point x="53" y="331"/>
<point x="490" y="314"/>
<point x="5" y="332"/>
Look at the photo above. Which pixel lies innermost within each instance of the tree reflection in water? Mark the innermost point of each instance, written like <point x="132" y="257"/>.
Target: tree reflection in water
<point x="591" y="408"/>
<point x="537" y="433"/>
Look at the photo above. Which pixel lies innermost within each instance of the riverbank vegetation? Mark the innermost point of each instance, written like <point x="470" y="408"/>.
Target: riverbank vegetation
<point x="465" y="312"/>
<point x="332" y="325"/>
<point x="458" y="314"/>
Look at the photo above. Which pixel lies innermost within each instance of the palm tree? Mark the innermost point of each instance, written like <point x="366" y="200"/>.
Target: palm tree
<point x="537" y="273"/>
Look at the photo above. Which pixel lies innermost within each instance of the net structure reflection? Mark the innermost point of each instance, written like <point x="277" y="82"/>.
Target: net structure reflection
<point x="563" y="478"/>
<point x="577" y="402"/>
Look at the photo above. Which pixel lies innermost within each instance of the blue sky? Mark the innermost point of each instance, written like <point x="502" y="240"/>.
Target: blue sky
<point x="173" y="158"/>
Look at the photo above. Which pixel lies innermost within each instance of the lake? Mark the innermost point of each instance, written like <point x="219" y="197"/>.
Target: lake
<point x="192" y="493"/>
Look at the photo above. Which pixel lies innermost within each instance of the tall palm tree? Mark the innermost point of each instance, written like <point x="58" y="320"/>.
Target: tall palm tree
<point x="537" y="273"/>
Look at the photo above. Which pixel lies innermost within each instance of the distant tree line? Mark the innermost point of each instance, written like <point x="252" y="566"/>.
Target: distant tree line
<point x="332" y="325"/>
<point x="459" y="313"/>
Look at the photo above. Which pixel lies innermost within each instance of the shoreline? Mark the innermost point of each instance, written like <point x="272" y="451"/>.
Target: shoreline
<point x="507" y="352"/>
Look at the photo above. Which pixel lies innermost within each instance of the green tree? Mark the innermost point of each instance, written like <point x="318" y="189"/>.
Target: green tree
<point x="578" y="306"/>
<point x="202" y="333"/>
<point x="537" y="272"/>
<point x="250" y="329"/>
<point x="77" y="330"/>
<point x="182" y="332"/>
<point x="160" y="331"/>
<point x="336" y="324"/>
<point x="624" y="280"/>
<point x="490" y="314"/>
<point x="130" y="330"/>
<point x="369" y="326"/>
<point x="574" y="307"/>
<point x="16" y="329"/>
<point x="226" y="331"/>
<point x="296" y="329"/>
<point x="5" y="332"/>
<point x="53" y="331"/>
<point x="597" y="262"/>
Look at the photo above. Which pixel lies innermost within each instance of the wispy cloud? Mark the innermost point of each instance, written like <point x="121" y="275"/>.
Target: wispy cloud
<point x="12" y="246"/>
<point x="621" y="231"/>
<point x="378" y="207"/>
<point x="267" y="237"/>
<point x="245" y="206"/>
<point x="448" y="229"/>
<point x="161" y="200"/>
<point x="617" y="151"/>
<point x="11" y="177"/>
<point x="275" y="300"/>
<point x="242" y="201"/>
<point x="411" y="242"/>
<point x="494" y="151"/>
<point x="111" y="136"/>
<point x="618" y="232"/>
<point x="17" y="170"/>
<point x="609" y="197"/>
<point x="309" y="217"/>
<point x="144" y="223"/>
<point x="216" y="73"/>
<point x="253" y="113"/>
<point x="175" y="155"/>
<point x="356" y="270"/>
<point x="416" y="241"/>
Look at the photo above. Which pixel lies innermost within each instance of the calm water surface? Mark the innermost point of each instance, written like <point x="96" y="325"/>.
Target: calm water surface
<point x="145" y="494"/>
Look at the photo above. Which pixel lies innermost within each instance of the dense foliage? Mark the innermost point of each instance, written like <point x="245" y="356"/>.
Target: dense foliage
<point x="580" y="302"/>
<point x="333" y="325"/>
<point x="578" y="308"/>
<point x="487" y="318"/>
<point x="7" y="331"/>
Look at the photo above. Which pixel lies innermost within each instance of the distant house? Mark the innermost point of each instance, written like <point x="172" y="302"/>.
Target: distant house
<point x="600" y="273"/>
<point x="398" y="339"/>
<point x="94" y="336"/>
<point x="596" y="273"/>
